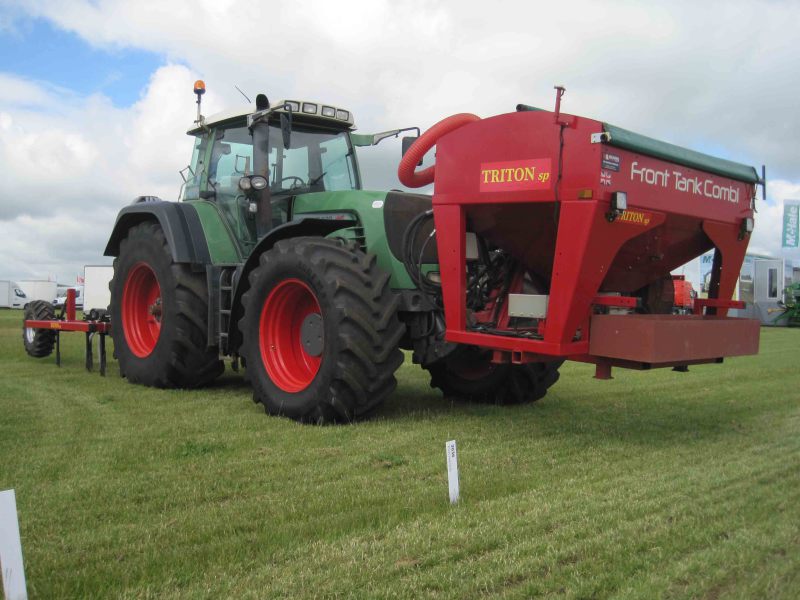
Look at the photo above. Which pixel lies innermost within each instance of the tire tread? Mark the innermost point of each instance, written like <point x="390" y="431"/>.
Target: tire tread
<point x="190" y="363"/>
<point x="368" y="328"/>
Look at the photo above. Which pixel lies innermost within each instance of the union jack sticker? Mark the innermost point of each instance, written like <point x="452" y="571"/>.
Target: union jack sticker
<point x="605" y="178"/>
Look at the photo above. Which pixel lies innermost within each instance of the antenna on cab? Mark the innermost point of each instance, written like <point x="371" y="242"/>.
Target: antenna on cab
<point x="242" y="93"/>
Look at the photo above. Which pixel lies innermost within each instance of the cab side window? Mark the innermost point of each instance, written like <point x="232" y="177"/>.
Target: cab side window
<point x="337" y="164"/>
<point x="194" y="173"/>
<point x="231" y="157"/>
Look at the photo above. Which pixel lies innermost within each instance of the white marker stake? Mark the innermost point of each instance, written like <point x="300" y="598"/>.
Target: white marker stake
<point x="11" y="549"/>
<point x="452" y="470"/>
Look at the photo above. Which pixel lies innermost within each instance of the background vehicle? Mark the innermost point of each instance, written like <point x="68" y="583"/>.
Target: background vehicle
<point x="96" y="280"/>
<point x="684" y="295"/>
<point x="789" y="307"/>
<point x="11" y="294"/>
<point x="61" y="299"/>
<point x="36" y="289"/>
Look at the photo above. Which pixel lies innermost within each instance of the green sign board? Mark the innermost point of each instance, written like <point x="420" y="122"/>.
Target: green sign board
<point x="791" y="223"/>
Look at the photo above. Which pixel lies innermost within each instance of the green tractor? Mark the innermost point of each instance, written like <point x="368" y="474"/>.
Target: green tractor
<point x="790" y="307"/>
<point x="277" y="258"/>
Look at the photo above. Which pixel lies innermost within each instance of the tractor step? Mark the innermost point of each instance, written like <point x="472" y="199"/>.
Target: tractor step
<point x="224" y="304"/>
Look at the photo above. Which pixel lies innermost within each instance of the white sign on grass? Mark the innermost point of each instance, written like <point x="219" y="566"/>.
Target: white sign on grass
<point x="11" y="549"/>
<point x="452" y="470"/>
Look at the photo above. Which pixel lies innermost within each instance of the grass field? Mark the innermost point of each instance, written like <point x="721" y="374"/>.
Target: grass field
<point x="654" y="484"/>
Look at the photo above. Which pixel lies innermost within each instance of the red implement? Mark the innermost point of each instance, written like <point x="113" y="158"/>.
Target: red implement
<point x="599" y="222"/>
<point x="69" y="322"/>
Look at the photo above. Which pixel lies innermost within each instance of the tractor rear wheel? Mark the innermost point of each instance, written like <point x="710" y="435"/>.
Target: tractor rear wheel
<point x="159" y="311"/>
<point x="39" y="342"/>
<point x="469" y="374"/>
<point x="320" y="331"/>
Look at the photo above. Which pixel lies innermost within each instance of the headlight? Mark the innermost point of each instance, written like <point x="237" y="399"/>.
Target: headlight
<point x="328" y="111"/>
<point x="258" y="182"/>
<point x="342" y="114"/>
<point x="310" y="108"/>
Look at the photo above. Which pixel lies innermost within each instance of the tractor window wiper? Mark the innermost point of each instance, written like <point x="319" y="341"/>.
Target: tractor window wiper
<point x="313" y="182"/>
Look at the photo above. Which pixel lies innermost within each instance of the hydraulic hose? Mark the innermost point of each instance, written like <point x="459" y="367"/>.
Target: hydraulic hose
<point x="406" y="172"/>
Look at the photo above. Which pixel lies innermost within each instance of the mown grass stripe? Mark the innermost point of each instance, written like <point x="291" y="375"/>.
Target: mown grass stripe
<point x="652" y="484"/>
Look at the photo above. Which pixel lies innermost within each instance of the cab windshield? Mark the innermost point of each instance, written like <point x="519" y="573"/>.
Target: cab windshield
<point x="315" y="161"/>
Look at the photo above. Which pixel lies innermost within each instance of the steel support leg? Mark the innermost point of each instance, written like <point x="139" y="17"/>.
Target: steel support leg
<point x="602" y="370"/>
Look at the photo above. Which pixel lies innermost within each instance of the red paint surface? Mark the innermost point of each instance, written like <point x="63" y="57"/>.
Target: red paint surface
<point x="562" y="232"/>
<point x="141" y="297"/>
<point x="288" y="364"/>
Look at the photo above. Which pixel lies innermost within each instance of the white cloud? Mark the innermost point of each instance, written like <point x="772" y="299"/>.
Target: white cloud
<point x="70" y="166"/>
<point x="718" y="77"/>
<point x="20" y="92"/>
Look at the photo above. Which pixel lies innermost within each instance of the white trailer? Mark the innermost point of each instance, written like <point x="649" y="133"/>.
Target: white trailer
<point x="96" y="294"/>
<point x="11" y="294"/>
<point x="39" y="290"/>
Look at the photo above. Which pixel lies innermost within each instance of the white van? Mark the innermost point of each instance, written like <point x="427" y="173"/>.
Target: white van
<point x="11" y="295"/>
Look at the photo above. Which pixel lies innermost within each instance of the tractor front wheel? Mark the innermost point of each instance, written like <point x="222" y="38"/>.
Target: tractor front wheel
<point x="469" y="374"/>
<point x="159" y="311"/>
<point x="320" y="331"/>
<point x="39" y="342"/>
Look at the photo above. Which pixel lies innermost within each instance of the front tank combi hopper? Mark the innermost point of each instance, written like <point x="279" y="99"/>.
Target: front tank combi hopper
<point x="595" y="219"/>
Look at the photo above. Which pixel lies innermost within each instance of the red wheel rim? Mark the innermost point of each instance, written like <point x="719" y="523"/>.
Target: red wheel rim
<point x="141" y="310"/>
<point x="288" y="364"/>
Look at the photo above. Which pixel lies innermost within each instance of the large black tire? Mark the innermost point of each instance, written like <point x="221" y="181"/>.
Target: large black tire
<point x="334" y="290"/>
<point x="658" y="298"/>
<point x="177" y="355"/>
<point x="39" y="342"/>
<point x="469" y="374"/>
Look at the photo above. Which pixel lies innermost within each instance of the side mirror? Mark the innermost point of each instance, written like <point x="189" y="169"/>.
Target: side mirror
<point x="408" y="141"/>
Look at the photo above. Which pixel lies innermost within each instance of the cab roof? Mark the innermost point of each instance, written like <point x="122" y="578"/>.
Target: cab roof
<point x="306" y="111"/>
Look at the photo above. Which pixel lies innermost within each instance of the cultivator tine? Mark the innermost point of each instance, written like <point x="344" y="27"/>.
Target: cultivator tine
<point x="102" y="349"/>
<point x="58" y="348"/>
<point x="89" y="357"/>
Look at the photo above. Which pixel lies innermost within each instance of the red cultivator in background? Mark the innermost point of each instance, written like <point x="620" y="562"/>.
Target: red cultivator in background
<point x="41" y="330"/>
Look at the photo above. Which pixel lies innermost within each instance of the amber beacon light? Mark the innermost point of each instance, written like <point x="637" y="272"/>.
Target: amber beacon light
<point x="199" y="90"/>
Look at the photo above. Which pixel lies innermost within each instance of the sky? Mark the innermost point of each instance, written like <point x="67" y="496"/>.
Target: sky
<point x="96" y="95"/>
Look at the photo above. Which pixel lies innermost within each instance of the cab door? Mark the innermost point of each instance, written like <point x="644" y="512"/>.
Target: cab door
<point x="230" y="159"/>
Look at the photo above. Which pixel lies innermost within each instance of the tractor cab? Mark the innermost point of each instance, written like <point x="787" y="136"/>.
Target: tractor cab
<point x="301" y="147"/>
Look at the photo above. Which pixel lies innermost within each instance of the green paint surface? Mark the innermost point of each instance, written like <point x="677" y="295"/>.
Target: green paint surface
<point x="221" y="245"/>
<point x="629" y="140"/>
<point x="367" y="206"/>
